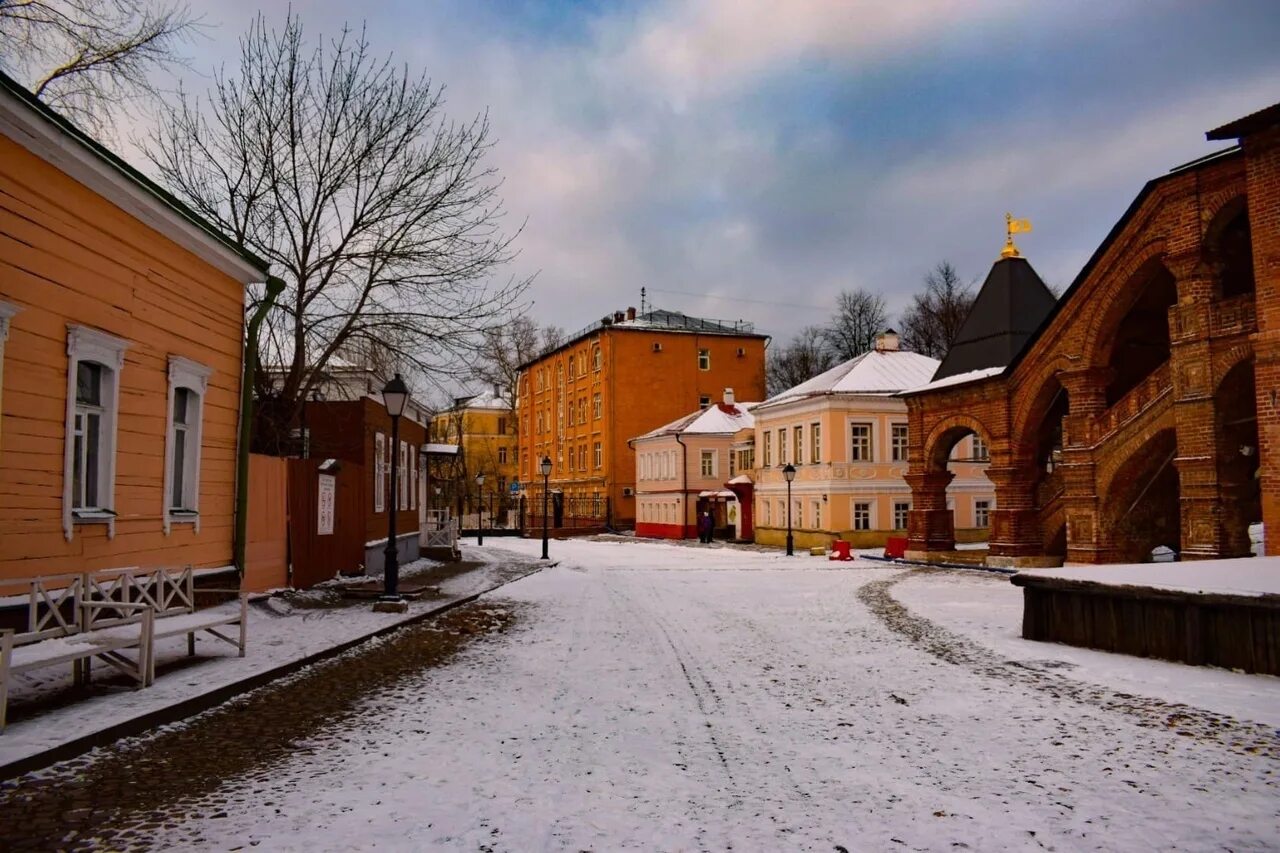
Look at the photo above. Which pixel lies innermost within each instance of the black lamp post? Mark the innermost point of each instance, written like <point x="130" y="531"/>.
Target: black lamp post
<point x="395" y="396"/>
<point x="480" y="509"/>
<point x="789" y="474"/>
<point x="545" y="467"/>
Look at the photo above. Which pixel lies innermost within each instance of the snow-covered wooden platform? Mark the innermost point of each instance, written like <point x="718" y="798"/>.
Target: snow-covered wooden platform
<point x="1215" y="612"/>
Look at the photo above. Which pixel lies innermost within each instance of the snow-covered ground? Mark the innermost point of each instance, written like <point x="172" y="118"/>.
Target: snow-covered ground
<point x="278" y="633"/>
<point x="666" y="697"/>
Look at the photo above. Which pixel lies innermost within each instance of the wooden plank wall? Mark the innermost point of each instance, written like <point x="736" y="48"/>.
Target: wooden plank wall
<point x="267" y="548"/>
<point x="69" y="256"/>
<point x="318" y="558"/>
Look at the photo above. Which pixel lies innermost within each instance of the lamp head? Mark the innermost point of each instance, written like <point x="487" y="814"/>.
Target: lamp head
<point x="789" y="472"/>
<point x="545" y="466"/>
<point x="480" y="479"/>
<point x="395" y="396"/>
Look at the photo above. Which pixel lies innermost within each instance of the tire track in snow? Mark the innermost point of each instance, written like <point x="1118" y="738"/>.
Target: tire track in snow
<point x="1240" y="736"/>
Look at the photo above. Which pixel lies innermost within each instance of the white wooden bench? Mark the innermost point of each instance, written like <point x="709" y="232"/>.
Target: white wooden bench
<point x="65" y="625"/>
<point x="172" y="596"/>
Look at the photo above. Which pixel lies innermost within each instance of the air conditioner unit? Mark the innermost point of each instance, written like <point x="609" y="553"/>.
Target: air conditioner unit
<point x="657" y="347"/>
<point x="627" y="491"/>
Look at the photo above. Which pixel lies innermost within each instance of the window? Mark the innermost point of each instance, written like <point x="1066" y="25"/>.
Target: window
<point x="782" y="447"/>
<point x="413" y="477"/>
<point x="708" y="463"/>
<point x="980" y="453"/>
<point x="860" y="443"/>
<point x="379" y="472"/>
<point x="898" y="442"/>
<point x="815" y="443"/>
<point x="982" y="513"/>
<point x="599" y="455"/>
<point x="900" y="510"/>
<point x="596" y="408"/>
<point x="188" y="382"/>
<point x="862" y="516"/>
<point x="768" y="449"/>
<point x="704" y="402"/>
<point x="502" y="456"/>
<point x="502" y="426"/>
<point x="582" y="457"/>
<point x="402" y="477"/>
<point x="570" y="367"/>
<point x="94" y="362"/>
<point x="596" y="359"/>
<point x="764" y="505"/>
<point x="582" y="410"/>
<point x="817" y="515"/>
<point x="797" y="444"/>
<point x="732" y="459"/>
<point x="704" y="359"/>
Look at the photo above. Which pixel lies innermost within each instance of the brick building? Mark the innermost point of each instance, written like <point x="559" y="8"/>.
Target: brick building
<point x="483" y="427"/>
<point x="1141" y="411"/>
<point x="580" y="403"/>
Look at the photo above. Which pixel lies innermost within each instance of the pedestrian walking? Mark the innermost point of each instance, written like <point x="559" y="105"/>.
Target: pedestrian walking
<point x="705" y="526"/>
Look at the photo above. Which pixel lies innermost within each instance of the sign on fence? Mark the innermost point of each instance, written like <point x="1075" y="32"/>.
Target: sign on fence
<point x="326" y="498"/>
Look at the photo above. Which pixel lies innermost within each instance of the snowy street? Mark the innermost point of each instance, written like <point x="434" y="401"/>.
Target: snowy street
<point x="666" y="697"/>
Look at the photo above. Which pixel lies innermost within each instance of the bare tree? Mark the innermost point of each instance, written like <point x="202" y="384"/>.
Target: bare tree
<point x="860" y="316"/>
<point x="807" y="355"/>
<point x="931" y="323"/>
<point x="85" y="57"/>
<point x="378" y="211"/>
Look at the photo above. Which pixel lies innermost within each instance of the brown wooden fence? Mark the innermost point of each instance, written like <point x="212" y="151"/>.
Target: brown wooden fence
<point x="267" y="545"/>
<point x="327" y="540"/>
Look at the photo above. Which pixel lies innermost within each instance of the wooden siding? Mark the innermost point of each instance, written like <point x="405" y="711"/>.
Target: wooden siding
<point x="69" y="256"/>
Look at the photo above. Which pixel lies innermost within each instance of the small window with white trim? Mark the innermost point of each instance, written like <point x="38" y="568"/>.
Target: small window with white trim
<point x="94" y="362"/>
<point x="379" y="472"/>
<point x="188" y="383"/>
<point x="708" y="463"/>
<point x="862" y="515"/>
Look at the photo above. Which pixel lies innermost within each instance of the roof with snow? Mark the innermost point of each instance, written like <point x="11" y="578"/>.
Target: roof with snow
<point x="958" y="379"/>
<point x="483" y="400"/>
<point x="716" y="419"/>
<point x="878" y="373"/>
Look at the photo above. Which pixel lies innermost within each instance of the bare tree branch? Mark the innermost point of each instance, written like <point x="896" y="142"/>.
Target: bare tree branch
<point x="89" y="57"/>
<point x="931" y="323"/>
<point x="380" y="213"/>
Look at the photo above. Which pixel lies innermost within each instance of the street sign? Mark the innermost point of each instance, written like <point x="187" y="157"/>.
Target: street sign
<point x="515" y="487"/>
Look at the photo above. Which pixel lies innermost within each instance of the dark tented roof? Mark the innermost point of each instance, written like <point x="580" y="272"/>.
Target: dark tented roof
<point x="1012" y="304"/>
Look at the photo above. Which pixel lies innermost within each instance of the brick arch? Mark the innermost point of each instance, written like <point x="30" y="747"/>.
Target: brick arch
<point x="1217" y="209"/>
<point x="1227" y="360"/>
<point x="1032" y="400"/>
<point x="946" y="434"/>
<point x="1107" y="308"/>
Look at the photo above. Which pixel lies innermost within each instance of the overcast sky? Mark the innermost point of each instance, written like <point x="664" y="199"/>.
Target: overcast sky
<point x="747" y="159"/>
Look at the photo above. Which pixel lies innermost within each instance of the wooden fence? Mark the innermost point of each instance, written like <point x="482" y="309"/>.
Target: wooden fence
<point x="326" y="520"/>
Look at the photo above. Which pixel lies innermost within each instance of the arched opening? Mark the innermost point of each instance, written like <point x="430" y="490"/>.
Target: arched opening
<point x="1229" y="248"/>
<point x="1238" y="458"/>
<point x="1144" y="505"/>
<point x="970" y="496"/>
<point x="1140" y="342"/>
<point x="1050" y="489"/>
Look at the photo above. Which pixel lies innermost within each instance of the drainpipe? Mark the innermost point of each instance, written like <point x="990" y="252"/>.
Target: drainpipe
<point x="275" y="287"/>
<point x="684" y="483"/>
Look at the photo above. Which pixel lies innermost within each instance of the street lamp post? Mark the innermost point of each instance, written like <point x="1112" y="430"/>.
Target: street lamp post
<point x="789" y="473"/>
<point x="395" y="396"/>
<point x="545" y="467"/>
<point x="480" y="509"/>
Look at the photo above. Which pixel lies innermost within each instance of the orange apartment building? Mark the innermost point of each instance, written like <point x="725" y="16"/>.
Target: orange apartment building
<point x="121" y="330"/>
<point x="580" y="403"/>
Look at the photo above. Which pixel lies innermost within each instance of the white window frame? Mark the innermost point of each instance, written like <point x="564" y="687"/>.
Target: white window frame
<point x="599" y="455"/>
<point x="817" y="514"/>
<point x="704" y="359"/>
<point x="768" y="449"/>
<point x="981" y="453"/>
<point x="893" y="447"/>
<point x="797" y="443"/>
<point x="379" y="472"/>
<point x="7" y="311"/>
<point x="86" y="344"/>
<point x="413" y="476"/>
<point x="871" y="514"/>
<point x="982" y="505"/>
<point x="871" y="440"/>
<point x="193" y="376"/>
<point x="597" y="406"/>
<point x="815" y="442"/>
<point x="708" y="463"/>
<point x="402" y="478"/>
<point x="906" y="514"/>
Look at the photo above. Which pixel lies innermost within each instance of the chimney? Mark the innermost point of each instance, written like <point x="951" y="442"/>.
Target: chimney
<point x="617" y="316"/>
<point x="887" y="341"/>
<point x="728" y="396"/>
<point x="631" y="313"/>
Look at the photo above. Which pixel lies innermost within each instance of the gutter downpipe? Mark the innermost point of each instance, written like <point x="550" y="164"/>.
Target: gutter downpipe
<point x="275" y="286"/>
<point x="684" y="484"/>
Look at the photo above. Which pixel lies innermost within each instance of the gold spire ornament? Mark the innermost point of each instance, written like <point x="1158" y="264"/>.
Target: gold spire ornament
<point x="1013" y="226"/>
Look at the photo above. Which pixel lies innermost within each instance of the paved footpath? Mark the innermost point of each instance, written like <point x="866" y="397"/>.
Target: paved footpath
<point x="642" y="697"/>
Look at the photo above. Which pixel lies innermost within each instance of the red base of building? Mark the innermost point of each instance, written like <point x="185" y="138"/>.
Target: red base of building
<point x="650" y="530"/>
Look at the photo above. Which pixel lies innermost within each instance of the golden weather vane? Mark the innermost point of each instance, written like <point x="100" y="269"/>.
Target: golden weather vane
<point x="1013" y="226"/>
